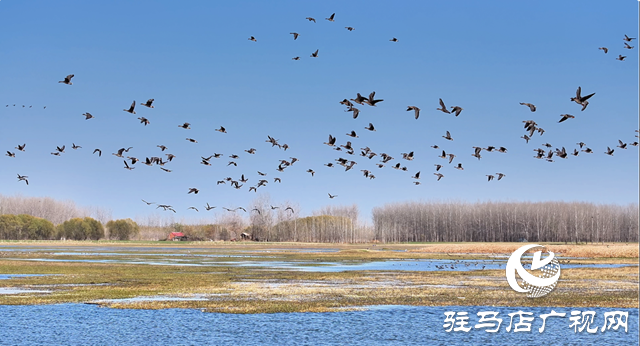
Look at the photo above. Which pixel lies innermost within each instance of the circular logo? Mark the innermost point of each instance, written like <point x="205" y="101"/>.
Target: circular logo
<point x="536" y="285"/>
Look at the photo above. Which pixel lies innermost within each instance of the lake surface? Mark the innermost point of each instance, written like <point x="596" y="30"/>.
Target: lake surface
<point x="83" y="324"/>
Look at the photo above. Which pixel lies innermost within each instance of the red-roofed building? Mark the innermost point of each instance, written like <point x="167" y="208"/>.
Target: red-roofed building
<point x="177" y="236"/>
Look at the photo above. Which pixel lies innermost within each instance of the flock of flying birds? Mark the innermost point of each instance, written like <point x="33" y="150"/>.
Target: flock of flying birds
<point x="529" y="125"/>
<point x="331" y="18"/>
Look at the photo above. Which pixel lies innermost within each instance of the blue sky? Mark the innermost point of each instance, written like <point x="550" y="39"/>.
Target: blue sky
<point x="194" y="58"/>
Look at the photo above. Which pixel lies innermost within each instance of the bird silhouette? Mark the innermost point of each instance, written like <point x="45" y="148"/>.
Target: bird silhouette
<point x="67" y="80"/>
<point x="148" y="103"/>
<point x="581" y="100"/>
<point x="531" y="106"/>
<point x="443" y="107"/>
<point x="23" y="178"/>
<point x="565" y="117"/>
<point x="415" y="109"/>
<point x="131" y="109"/>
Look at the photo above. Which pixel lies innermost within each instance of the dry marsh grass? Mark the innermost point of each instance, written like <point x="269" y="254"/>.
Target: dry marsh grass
<point x="606" y="250"/>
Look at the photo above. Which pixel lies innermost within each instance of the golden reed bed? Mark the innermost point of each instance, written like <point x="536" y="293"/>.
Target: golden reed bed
<point x="606" y="250"/>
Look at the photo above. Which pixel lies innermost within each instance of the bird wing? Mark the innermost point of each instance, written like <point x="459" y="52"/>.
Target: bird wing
<point x="586" y="97"/>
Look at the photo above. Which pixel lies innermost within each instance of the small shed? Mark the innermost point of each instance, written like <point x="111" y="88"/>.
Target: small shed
<point x="176" y="236"/>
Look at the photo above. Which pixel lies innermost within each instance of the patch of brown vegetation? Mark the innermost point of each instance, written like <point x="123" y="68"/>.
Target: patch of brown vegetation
<point x="606" y="250"/>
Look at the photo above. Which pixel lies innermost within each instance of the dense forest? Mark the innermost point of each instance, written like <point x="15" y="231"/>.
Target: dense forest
<point x="46" y="218"/>
<point x="505" y="222"/>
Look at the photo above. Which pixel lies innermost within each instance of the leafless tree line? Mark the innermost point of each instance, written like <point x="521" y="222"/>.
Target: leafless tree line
<point x="505" y="222"/>
<point x="50" y="209"/>
<point x="400" y="222"/>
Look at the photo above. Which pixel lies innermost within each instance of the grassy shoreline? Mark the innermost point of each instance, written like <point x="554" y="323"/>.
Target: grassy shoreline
<point x="228" y="287"/>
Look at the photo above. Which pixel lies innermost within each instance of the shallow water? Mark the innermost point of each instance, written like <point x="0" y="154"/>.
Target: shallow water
<point x="312" y="266"/>
<point x="83" y="324"/>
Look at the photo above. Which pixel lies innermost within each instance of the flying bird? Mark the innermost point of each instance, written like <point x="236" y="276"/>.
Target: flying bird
<point x="21" y="147"/>
<point x="581" y="100"/>
<point x="148" y="103"/>
<point x="394" y="40"/>
<point x="604" y="49"/>
<point x="23" y="178"/>
<point x="98" y="151"/>
<point x="311" y="19"/>
<point x="415" y="109"/>
<point x="315" y="54"/>
<point x="185" y="126"/>
<point x="193" y="190"/>
<point x="456" y="110"/>
<point x="332" y="196"/>
<point x="565" y="117"/>
<point x="622" y="145"/>
<point x="443" y="107"/>
<point x="87" y="116"/>
<point x="621" y="57"/>
<point x="67" y="80"/>
<point x="331" y="142"/>
<point x="371" y="101"/>
<point x="331" y="18"/>
<point x="355" y="111"/>
<point x="370" y="127"/>
<point x="222" y="129"/>
<point x="144" y="121"/>
<point x="531" y="106"/>
<point x="626" y="38"/>
<point x="131" y="109"/>
<point x="295" y="35"/>
<point x="448" y="136"/>
<point x="253" y="39"/>
<point x="349" y="28"/>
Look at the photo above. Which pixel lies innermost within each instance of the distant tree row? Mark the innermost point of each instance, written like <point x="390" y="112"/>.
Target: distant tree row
<point x="27" y="227"/>
<point x="505" y="222"/>
<point x="400" y="222"/>
<point x="50" y="209"/>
